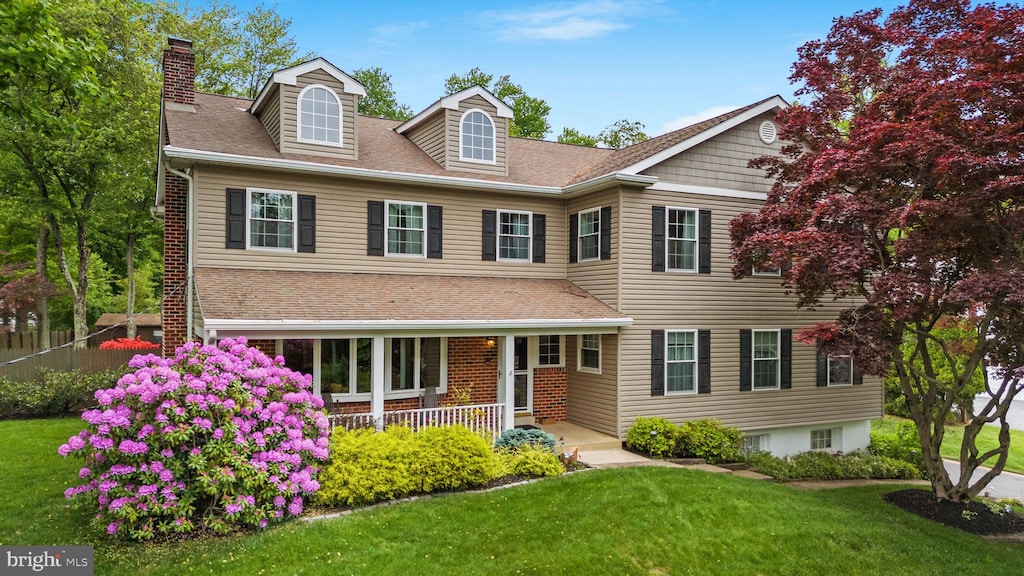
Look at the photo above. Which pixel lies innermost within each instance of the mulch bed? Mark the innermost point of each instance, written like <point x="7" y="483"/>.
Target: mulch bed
<point x="973" y="517"/>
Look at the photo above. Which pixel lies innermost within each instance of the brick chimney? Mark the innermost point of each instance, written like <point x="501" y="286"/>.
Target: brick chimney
<point x="179" y="71"/>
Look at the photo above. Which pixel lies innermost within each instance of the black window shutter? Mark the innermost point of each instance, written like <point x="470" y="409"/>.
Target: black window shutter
<point x="539" y="238"/>
<point x="374" y="228"/>
<point x="435" y="237"/>
<point x="606" y="233"/>
<point x="489" y="241"/>
<point x="657" y="362"/>
<point x="703" y="361"/>
<point x="235" y="215"/>
<point x="746" y="360"/>
<point x="822" y="368"/>
<point x="858" y="378"/>
<point x="786" y="359"/>
<point x="574" y="238"/>
<point x="658" y="239"/>
<point x="704" y="242"/>
<point x="307" y="223"/>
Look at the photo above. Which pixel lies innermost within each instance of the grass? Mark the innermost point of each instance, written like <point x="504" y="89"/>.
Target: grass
<point x="623" y="521"/>
<point x="988" y="438"/>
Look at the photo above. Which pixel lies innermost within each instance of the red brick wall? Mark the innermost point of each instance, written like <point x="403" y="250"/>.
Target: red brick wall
<point x="174" y="305"/>
<point x="268" y="347"/>
<point x="549" y="394"/>
<point x="179" y="72"/>
<point x="473" y="367"/>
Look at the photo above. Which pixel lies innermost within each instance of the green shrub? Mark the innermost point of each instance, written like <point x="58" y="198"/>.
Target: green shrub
<point x="518" y="437"/>
<point x="530" y="461"/>
<point x="652" y="435"/>
<point x="824" y="466"/>
<point x="709" y="439"/>
<point x="366" y="466"/>
<point x="451" y="458"/>
<point x="903" y="445"/>
<point x="54" y="393"/>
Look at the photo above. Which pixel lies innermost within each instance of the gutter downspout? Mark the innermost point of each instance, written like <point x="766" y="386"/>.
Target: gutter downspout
<point x="190" y="246"/>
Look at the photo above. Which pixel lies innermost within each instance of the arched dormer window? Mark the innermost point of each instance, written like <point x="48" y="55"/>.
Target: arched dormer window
<point x="319" y="116"/>
<point x="477" y="135"/>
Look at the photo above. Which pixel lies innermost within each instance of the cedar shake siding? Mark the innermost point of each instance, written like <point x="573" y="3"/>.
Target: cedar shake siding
<point x="341" y="227"/>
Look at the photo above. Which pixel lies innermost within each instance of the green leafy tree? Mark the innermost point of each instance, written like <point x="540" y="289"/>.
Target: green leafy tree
<point x="380" y="100"/>
<point x="530" y="115"/>
<point x="622" y="133"/>
<point x="574" y="136"/>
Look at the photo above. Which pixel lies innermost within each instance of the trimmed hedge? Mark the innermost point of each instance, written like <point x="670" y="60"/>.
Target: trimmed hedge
<point x="825" y="466"/>
<point x="530" y="461"/>
<point x="54" y="393"/>
<point x="652" y="435"/>
<point x="708" y="439"/>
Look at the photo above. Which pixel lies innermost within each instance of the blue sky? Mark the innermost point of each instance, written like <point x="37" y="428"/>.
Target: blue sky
<point x="664" y="63"/>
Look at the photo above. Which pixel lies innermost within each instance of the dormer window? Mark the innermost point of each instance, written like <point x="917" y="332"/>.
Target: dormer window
<point x="319" y="116"/>
<point x="477" y="131"/>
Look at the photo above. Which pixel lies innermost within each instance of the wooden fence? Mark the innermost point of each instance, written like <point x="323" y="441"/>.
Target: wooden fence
<point x="30" y="340"/>
<point x="65" y="359"/>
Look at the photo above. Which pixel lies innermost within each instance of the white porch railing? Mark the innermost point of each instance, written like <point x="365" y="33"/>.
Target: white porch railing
<point x="484" y="419"/>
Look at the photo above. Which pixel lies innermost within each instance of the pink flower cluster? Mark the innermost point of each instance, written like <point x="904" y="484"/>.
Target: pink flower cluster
<point x="218" y="437"/>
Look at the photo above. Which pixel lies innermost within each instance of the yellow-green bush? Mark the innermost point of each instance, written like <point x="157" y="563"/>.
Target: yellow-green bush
<point x="451" y="458"/>
<point x="530" y="461"/>
<point x="367" y="466"/>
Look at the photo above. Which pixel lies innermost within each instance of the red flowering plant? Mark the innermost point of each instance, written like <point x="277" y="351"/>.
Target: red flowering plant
<point x="128" y="344"/>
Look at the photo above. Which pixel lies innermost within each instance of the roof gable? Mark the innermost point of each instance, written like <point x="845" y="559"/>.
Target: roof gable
<point x="452" y="101"/>
<point x="290" y="77"/>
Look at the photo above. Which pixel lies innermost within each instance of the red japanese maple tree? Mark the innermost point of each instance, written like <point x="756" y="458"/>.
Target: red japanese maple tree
<point x="903" y="186"/>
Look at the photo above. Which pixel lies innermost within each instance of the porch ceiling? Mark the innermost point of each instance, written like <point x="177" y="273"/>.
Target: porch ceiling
<point x="234" y="300"/>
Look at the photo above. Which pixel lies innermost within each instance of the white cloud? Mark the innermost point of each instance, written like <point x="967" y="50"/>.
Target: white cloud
<point x="389" y="33"/>
<point x="684" y="121"/>
<point x="565" y="21"/>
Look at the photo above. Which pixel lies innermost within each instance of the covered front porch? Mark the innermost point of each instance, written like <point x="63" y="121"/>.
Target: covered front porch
<point x="418" y="350"/>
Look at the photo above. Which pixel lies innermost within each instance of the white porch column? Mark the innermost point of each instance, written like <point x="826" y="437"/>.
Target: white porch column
<point x="507" y="379"/>
<point x="377" y="383"/>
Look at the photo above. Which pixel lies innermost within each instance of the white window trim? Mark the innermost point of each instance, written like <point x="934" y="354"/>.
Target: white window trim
<point x="248" y="220"/>
<point x="497" y="236"/>
<point x="765" y="442"/>
<point x="442" y="387"/>
<point x="387" y="228"/>
<point x="696" y="240"/>
<point x="494" y="138"/>
<point x="831" y="437"/>
<point x="768" y="272"/>
<point x="579" y="235"/>
<point x="754" y="359"/>
<point x="828" y="370"/>
<point x="535" y="352"/>
<point x="298" y="118"/>
<point x="696" y="357"/>
<point x="579" y="354"/>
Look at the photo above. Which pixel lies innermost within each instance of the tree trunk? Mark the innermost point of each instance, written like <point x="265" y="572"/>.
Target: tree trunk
<point x="130" y="257"/>
<point x="42" y="302"/>
<point x="78" y="284"/>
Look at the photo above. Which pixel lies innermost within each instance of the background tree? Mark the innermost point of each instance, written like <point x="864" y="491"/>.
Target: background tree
<point x="574" y="136"/>
<point x="380" y="100"/>
<point x="904" y="187"/>
<point x="530" y="115"/>
<point x="622" y="133"/>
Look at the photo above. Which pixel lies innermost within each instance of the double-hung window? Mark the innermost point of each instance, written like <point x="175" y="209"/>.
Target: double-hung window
<point x="406" y="224"/>
<point x="821" y="439"/>
<point x="681" y="248"/>
<point x="514" y="236"/>
<point x="589" y="356"/>
<point x="766" y="359"/>
<point x="840" y="370"/>
<point x="590" y="235"/>
<point x="681" y="362"/>
<point x="271" y="219"/>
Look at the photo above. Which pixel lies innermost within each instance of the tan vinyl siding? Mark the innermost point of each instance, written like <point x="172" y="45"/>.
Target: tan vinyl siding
<point x="592" y="399"/>
<point x="270" y="116"/>
<point x="677" y="300"/>
<point x="454" y="142"/>
<point x="599" y="277"/>
<point x="721" y="162"/>
<point x="197" y="311"/>
<point x="341" y="227"/>
<point x="289" y="118"/>
<point x="429" y="136"/>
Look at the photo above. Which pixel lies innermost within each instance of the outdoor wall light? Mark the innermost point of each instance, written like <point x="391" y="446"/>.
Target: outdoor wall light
<point x="491" y="341"/>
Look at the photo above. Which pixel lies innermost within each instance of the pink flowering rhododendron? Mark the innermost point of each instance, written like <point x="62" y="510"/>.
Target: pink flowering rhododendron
<point x="216" y="438"/>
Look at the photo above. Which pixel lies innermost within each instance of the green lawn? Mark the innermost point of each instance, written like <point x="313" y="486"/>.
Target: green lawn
<point x="625" y="521"/>
<point x="987" y="439"/>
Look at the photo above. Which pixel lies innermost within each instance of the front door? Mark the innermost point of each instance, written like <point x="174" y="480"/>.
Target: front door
<point x="523" y="376"/>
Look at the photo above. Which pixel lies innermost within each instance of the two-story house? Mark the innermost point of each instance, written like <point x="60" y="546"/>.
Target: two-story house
<point x="441" y="258"/>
